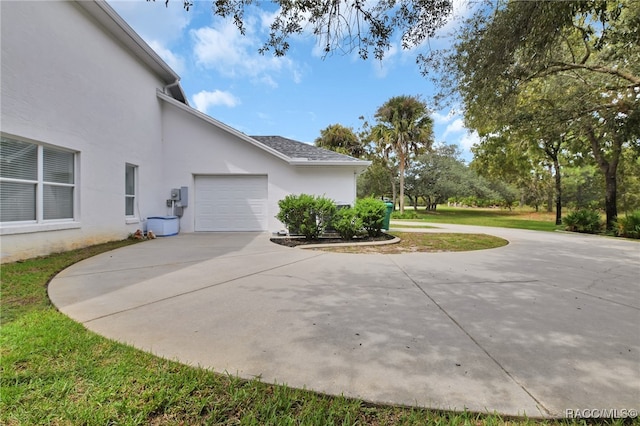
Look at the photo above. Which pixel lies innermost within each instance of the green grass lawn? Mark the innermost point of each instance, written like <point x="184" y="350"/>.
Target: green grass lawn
<point x="524" y="218"/>
<point x="54" y="371"/>
<point x="414" y="242"/>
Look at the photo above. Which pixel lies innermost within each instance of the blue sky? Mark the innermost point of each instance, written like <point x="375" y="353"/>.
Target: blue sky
<point x="295" y="96"/>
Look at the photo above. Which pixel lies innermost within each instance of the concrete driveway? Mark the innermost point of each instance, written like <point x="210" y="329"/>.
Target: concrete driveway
<point x="548" y="323"/>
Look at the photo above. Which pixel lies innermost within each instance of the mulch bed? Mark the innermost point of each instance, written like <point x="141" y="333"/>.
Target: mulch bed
<point x="294" y="241"/>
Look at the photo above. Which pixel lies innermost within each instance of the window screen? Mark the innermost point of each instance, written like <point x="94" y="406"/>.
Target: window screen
<point x="17" y="201"/>
<point x="37" y="182"/>
<point x="19" y="160"/>
<point x="58" y="166"/>
<point x="58" y="202"/>
<point x="130" y="189"/>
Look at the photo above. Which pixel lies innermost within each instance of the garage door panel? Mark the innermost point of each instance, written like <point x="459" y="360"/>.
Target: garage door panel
<point x="231" y="203"/>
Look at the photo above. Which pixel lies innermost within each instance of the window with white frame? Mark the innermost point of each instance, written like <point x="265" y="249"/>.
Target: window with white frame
<point x="130" y="190"/>
<point x="37" y="182"/>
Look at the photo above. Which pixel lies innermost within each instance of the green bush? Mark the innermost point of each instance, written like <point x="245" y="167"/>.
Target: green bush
<point x="347" y="223"/>
<point x="372" y="212"/>
<point x="469" y="201"/>
<point x="587" y="221"/>
<point x="408" y="214"/>
<point x="629" y="226"/>
<point x="306" y="214"/>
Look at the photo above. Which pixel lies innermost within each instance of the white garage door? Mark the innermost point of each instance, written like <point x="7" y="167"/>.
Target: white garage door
<point x="230" y="203"/>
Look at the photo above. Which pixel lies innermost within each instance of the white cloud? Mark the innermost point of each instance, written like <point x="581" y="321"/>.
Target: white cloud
<point x="159" y="26"/>
<point x="382" y="67"/>
<point x="267" y="18"/>
<point x="176" y="62"/>
<point x="455" y="132"/>
<point x="204" y="100"/>
<point x="456" y="126"/>
<point x="440" y="118"/>
<point x="154" y="20"/>
<point x="468" y="140"/>
<point x="297" y="76"/>
<point x="222" y="48"/>
<point x="462" y="9"/>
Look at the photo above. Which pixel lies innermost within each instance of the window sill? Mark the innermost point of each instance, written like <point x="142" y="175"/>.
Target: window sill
<point x="38" y="227"/>
<point x="130" y="220"/>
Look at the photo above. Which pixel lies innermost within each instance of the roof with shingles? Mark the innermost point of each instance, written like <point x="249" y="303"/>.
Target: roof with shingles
<point x="300" y="150"/>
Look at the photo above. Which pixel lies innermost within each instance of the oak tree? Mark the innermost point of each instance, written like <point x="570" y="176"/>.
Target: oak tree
<point x="591" y="46"/>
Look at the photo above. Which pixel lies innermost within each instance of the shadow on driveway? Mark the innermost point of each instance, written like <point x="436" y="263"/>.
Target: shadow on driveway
<point x="545" y="324"/>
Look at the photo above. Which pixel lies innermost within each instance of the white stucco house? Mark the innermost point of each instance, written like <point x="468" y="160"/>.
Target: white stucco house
<point x="97" y="132"/>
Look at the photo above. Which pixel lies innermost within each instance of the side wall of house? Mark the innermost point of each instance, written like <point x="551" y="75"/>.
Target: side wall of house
<point x="66" y="83"/>
<point x="194" y="146"/>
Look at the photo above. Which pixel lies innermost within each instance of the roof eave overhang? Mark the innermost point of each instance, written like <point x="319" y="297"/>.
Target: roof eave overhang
<point x="118" y="27"/>
<point x="357" y="164"/>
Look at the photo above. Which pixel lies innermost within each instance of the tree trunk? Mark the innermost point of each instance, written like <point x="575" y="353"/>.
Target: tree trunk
<point x="609" y="169"/>
<point x="550" y="190"/>
<point x="556" y="169"/>
<point x="610" y="204"/>
<point x="401" y="186"/>
<point x="552" y="149"/>
<point x="414" y="201"/>
<point x="394" y="191"/>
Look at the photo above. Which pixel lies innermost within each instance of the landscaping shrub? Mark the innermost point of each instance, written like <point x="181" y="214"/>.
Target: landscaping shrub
<point x="347" y="223"/>
<point x="372" y="212"/>
<point x="470" y="201"/>
<point x="306" y="214"/>
<point x="408" y="214"/>
<point x="587" y="221"/>
<point x="629" y="226"/>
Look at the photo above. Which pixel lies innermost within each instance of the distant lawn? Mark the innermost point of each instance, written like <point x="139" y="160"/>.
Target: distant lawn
<point x="55" y="371"/>
<point x="524" y="218"/>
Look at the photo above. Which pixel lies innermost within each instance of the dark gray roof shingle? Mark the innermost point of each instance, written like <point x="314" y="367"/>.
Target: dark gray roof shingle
<point x="295" y="149"/>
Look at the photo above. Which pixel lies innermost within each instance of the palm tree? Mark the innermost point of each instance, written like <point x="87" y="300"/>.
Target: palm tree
<point x="404" y="127"/>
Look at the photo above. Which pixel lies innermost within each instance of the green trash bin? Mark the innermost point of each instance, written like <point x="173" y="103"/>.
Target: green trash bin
<point x="387" y="216"/>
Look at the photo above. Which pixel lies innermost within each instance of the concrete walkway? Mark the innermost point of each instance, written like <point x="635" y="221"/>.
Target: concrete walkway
<point x="547" y="323"/>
